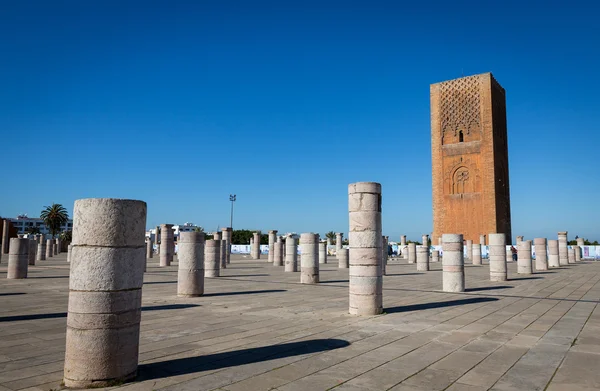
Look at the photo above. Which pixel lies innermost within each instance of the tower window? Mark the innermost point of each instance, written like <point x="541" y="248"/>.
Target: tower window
<point x="460" y="136"/>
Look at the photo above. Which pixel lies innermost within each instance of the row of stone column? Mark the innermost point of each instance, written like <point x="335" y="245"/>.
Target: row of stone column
<point x="24" y="252"/>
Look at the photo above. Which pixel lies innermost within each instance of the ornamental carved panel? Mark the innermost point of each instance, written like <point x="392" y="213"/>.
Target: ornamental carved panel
<point x="460" y="111"/>
<point x="461" y="176"/>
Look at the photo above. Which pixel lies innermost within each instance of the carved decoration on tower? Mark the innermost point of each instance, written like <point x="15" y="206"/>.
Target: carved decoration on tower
<point x="460" y="114"/>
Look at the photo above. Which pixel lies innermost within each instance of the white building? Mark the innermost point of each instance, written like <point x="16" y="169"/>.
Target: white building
<point x="22" y="223"/>
<point x="187" y="227"/>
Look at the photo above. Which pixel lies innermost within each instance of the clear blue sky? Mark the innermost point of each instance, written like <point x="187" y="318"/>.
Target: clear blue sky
<point x="284" y="103"/>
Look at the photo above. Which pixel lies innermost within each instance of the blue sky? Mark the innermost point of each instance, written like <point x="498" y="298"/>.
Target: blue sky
<point x="284" y="103"/>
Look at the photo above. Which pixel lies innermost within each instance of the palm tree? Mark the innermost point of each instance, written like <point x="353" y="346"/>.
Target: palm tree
<point x="331" y="236"/>
<point x="54" y="216"/>
<point x="33" y="230"/>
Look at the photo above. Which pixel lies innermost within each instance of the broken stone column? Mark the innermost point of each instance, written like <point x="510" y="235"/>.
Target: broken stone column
<point x="422" y="259"/>
<point x="309" y="258"/>
<point x="105" y="297"/>
<point x="166" y="238"/>
<point x="384" y="254"/>
<point x="563" y="253"/>
<point x="577" y="250"/>
<point x="453" y="263"/>
<point x="5" y="241"/>
<point x="580" y="242"/>
<point x="212" y="258"/>
<point x="425" y="240"/>
<point x="366" y="280"/>
<point x="412" y="252"/>
<point x="497" y="250"/>
<point x="343" y="257"/>
<point x="338" y="241"/>
<point x="482" y="240"/>
<point x="190" y="274"/>
<point x="227" y="234"/>
<point x="272" y="240"/>
<point x="291" y="254"/>
<point x="323" y="252"/>
<point x="476" y="251"/>
<point x="18" y="258"/>
<point x="509" y="257"/>
<point x="149" y="249"/>
<point x="157" y="236"/>
<point x="41" y="250"/>
<point x="256" y="245"/>
<point x="329" y="241"/>
<point x="553" y="253"/>
<point x="541" y="256"/>
<point x="470" y="250"/>
<point x="524" y="263"/>
<point x="69" y="247"/>
<point x="49" y="248"/>
<point x="519" y="240"/>
<point x="571" y="255"/>
<point x="278" y="252"/>
<point x="435" y="256"/>
<point x="223" y="249"/>
<point x="403" y="240"/>
<point x="31" y="252"/>
<point x="57" y="245"/>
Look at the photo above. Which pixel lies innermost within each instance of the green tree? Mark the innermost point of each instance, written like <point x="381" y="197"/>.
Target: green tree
<point x="32" y="230"/>
<point x="331" y="236"/>
<point x="54" y="216"/>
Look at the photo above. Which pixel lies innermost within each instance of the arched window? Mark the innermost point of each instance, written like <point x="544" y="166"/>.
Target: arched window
<point x="460" y="136"/>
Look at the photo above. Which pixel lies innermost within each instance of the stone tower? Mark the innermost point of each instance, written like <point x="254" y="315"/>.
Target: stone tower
<point x="470" y="158"/>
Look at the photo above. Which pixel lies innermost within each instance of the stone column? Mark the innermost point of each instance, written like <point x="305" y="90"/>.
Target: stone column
<point x="166" y="238"/>
<point x="580" y="242"/>
<point x="453" y="263"/>
<point x="278" y="252"/>
<point x="508" y="254"/>
<point x="476" y="251"/>
<point x="31" y="251"/>
<point x="5" y="241"/>
<point x="329" y="241"/>
<point x="412" y="252"/>
<point x="577" y="250"/>
<point x="571" y="255"/>
<point x="497" y="249"/>
<point x="366" y="281"/>
<point x="541" y="256"/>
<point x="18" y="258"/>
<point x="309" y="259"/>
<point x="105" y="297"/>
<point x="440" y="241"/>
<point x="403" y="240"/>
<point x="272" y="240"/>
<point x="57" y="245"/>
<point x="256" y="245"/>
<point x="343" y="258"/>
<point x="69" y="247"/>
<point x="470" y="250"/>
<point x="49" y="248"/>
<point x="227" y="234"/>
<point x="519" y="240"/>
<point x="222" y="249"/>
<point x="323" y="252"/>
<point x="149" y="249"/>
<point x="425" y="240"/>
<point x="338" y="241"/>
<point x="212" y="258"/>
<point x="190" y="274"/>
<point x="435" y="256"/>
<point x="41" y="251"/>
<point x="524" y="263"/>
<point x="482" y="240"/>
<point x="384" y="254"/>
<point x="422" y="259"/>
<point x="291" y="254"/>
<point x="563" y="254"/>
<point x="157" y="236"/>
<point x="553" y="253"/>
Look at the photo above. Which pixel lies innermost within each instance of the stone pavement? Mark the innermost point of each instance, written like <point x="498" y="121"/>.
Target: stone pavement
<point x="258" y="328"/>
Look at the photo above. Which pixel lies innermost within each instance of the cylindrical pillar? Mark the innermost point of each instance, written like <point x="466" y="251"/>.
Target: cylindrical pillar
<point x="323" y="252"/>
<point x="31" y="252"/>
<point x="212" y="258"/>
<point x="223" y="249"/>
<point x="508" y="251"/>
<point x="577" y="253"/>
<point x="256" y="245"/>
<point x="5" y="241"/>
<point x="541" y="256"/>
<point x="524" y="263"/>
<point x="571" y="255"/>
<point x="453" y="263"/>
<point x="476" y="252"/>
<point x="384" y="254"/>
<point x="403" y="240"/>
<point x="482" y="240"/>
<point x="272" y="240"/>
<point x="470" y="250"/>
<point x="291" y="254"/>
<point x="278" y="252"/>
<point x="338" y="241"/>
<point x="309" y="258"/>
<point x="190" y="254"/>
<point x="343" y="257"/>
<point x="149" y="249"/>
<point x="329" y="241"/>
<point x="497" y="254"/>
<point x="69" y="247"/>
<point x="166" y="239"/>
<point x="57" y="244"/>
<point x="563" y="253"/>
<point x="422" y="259"/>
<point x="435" y="256"/>
<point x="105" y="297"/>
<point x="366" y="281"/>
<point x="425" y="240"/>
<point x="412" y="252"/>
<point x="227" y="234"/>
<point x="49" y="248"/>
<point x="157" y="236"/>
<point x="553" y="253"/>
<point x="41" y="250"/>
<point x="18" y="258"/>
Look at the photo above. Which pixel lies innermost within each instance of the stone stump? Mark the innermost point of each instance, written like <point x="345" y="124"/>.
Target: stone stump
<point x="57" y="244"/>
<point x="31" y="251"/>
<point x="255" y="250"/>
<point x="435" y="256"/>
<point x="272" y="240"/>
<point x="563" y="252"/>
<point x="403" y="240"/>
<point x="212" y="258"/>
<point x="482" y="240"/>
<point x="509" y="257"/>
<point x="49" y="248"/>
<point x="524" y="263"/>
<point x="166" y="238"/>
<point x="577" y="250"/>
<point x="541" y="256"/>
<point x="5" y="241"/>
<point x="470" y="250"/>
<point x="412" y="252"/>
<point x="453" y="263"/>
<point x="227" y="234"/>
<point x="422" y="259"/>
<point x="105" y="296"/>
<point x="553" y="253"/>
<point x="190" y="274"/>
<point x="291" y="254"/>
<point x="343" y="257"/>
<point x="338" y="241"/>
<point x="323" y="253"/>
<point x="571" y="255"/>
<point x="366" y="280"/>
<point x="18" y="258"/>
<point x="497" y="254"/>
<point x="476" y="253"/>
<point x="309" y="259"/>
<point x="149" y="249"/>
<point x="41" y="251"/>
<point x="278" y="252"/>
<point x="425" y="240"/>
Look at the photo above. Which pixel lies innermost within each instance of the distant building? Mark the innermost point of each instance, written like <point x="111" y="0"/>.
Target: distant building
<point x="22" y="223"/>
<point x="187" y="227"/>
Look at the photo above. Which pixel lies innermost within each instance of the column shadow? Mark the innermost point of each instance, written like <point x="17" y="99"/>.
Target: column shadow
<point x="488" y="288"/>
<point x="243" y="293"/>
<point x="12" y="294"/>
<point x="437" y="304"/>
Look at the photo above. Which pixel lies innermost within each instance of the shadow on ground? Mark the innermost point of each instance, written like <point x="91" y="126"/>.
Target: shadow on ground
<point x="245" y="275"/>
<point x="332" y="281"/>
<point x="488" y="288"/>
<point x="64" y="314"/>
<point x="12" y="294"/>
<point x="243" y="293"/>
<point x="403" y="274"/>
<point x="209" y="362"/>
<point x="437" y="304"/>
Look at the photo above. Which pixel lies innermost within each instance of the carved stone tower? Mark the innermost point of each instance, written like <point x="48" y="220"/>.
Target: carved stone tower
<point x="469" y="152"/>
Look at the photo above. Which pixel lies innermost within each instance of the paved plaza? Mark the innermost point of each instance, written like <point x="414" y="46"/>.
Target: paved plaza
<point x="258" y="328"/>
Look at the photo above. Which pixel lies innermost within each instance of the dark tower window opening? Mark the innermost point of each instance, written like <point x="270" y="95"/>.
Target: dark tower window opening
<point x="460" y="136"/>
